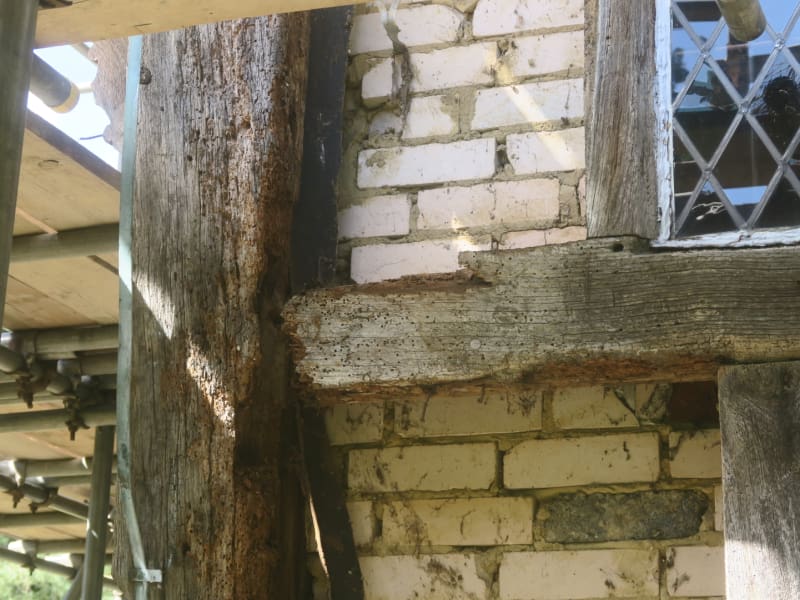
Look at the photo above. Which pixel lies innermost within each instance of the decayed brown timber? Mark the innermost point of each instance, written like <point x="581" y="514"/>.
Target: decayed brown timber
<point x="220" y="134"/>
<point x="760" y="422"/>
<point x="603" y="310"/>
<point x="621" y="121"/>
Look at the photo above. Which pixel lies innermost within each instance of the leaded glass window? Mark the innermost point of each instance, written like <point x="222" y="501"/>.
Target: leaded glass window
<point x="736" y="123"/>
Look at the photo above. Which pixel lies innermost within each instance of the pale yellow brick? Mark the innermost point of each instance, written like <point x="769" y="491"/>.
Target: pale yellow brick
<point x="378" y="216"/>
<point x="528" y="104"/>
<point x="355" y="423"/>
<point x="381" y="262"/>
<point x="543" y="54"/>
<point x="452" y="67"/>
<point x="534" y="201"/>
<point x="362" y="521"/>
<point x="547" y="151"/>
<point x="695" y="454"/>
<point x="696" y="571"/>
<point x="498" y="17"/>
<point x="515" y="240"/>
<point x="419" y="26"/>
<point x="459" y="522"/>
<point x="719" y="509"/>
<point x="591" y="408"/>
<point x="579" y="575"/>
<point x="496" y="411"/>
<point x="424" y="468"/>
<point x="430" y="163"/>
<point x="619" y="458"/>
<point x="563" y="235"/>
<point x="438" y="577"/>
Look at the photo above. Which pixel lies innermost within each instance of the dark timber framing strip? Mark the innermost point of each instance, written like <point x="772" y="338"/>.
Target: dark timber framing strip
<point x="602" y="310"/>
<point x="760" y="422"/>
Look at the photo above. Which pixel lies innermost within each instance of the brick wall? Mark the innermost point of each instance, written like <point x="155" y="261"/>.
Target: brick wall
<point x="487" y="152"/>
<point x="515" y="493"/>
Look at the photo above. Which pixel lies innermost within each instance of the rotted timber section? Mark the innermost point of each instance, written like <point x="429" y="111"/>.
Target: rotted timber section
<point x="218" y="167"/>
<point x="588" y="312"/>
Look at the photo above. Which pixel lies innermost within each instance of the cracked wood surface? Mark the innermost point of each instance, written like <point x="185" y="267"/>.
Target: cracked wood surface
<point x="596" y="311"/>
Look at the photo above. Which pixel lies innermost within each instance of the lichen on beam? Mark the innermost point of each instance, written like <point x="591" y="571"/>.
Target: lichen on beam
<point x="595" y="311"/>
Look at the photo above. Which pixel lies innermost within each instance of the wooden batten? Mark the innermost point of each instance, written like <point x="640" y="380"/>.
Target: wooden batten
<point x="760" y="420"/>
<point x="621" y="157"/>
<point x="93" y="20"/>
<point x="589" y="312"/>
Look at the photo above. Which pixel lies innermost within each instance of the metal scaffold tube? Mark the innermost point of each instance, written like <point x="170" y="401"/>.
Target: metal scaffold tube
<point x="37" y="519"/>
<point x="17" y="26"/>
<point x="62" y="343"/>
<point x="33" y="563"/>
<point x="42" y="496"/>
<point x="45" y="420"/>
<point x="51" y="87"/>
<point x="62" y="467"/>
<point x="97" y="530"/>
<point x="745" y="18"/>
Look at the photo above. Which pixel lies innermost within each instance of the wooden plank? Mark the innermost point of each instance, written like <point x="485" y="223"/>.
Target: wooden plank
<point x="28" y="308"/>
<point x="78" y="283"/>
<point x="601" y="310"/>
<point x="760" y="421"/>
<point x="63" y="185"/>
<point x="621" y="142"/>
<point x="93" y="20"/>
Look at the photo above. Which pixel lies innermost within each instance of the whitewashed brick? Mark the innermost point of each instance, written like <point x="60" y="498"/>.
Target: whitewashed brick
<point x="543" y="54"/>
<point x="695" y="454"/>
<point x="459" y="522"/>
<point x="578" y="575"/>
<point x="719" y="509"/>
<point x="391" y="261"/>
<point x="378" y="216"/>
<point x="355" y="423"/>
<point x="582" y="461"/>
<point x="563" y="235"/>
<point x="545" y="151"/>
<point x="696" y="571"/>
<point x="528" y="104"/>
<point x="590" y="408"/>
<point x="515" y="240"/>
<point x="385" y="123"/>
<point x="429" y="163"/>
<point x="453" y="67"/>
<point x="495" y="411"/>
<point x="498" y="17"/>
<point x="438" y="577"/>
<point x="431" y="116"/>
<point x="362" y="521"/>
<point x="419" y="26"/>
<point x="534" y="201"/>
<point x="426" y="468"/>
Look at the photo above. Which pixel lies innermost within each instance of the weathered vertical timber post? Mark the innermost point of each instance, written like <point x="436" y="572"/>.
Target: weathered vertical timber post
<point x="212" y="438"/>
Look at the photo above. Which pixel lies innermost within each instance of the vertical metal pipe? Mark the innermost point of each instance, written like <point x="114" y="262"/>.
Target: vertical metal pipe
<point x="17" y="26"/>
<point x="95" y="555"/>
<point x="74" y="591"/>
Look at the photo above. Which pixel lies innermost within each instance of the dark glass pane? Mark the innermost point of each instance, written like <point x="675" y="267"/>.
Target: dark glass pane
<point x="777" y="103"/>
<point x="708" y="215"/>
<point x="746" y="163"/>
<point x="782" y="209"/>
<point x="706" y="112"/>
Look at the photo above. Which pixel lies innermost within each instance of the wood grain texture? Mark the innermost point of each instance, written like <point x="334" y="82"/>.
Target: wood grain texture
<point x="602" y="310"/>
<point x="621" y="193"/>
<point x="219" y="149"/>
<point x="93" y="20"/>
<point x="760" y="422"/>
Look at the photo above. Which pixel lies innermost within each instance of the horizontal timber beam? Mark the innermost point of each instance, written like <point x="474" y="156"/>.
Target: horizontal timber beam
<point x="595" y="311"/>
<point x="93" y="20"/>
<point x="89" y="241"/>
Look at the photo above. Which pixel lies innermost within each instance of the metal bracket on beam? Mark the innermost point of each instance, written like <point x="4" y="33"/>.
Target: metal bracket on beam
<point x="148" y="576"/>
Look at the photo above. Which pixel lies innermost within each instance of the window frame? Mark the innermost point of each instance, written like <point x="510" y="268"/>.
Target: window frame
<point x="664" y="160"/>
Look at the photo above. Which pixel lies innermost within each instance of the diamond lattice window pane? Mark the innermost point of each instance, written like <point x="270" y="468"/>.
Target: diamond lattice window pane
<point x="736" y="113"/>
